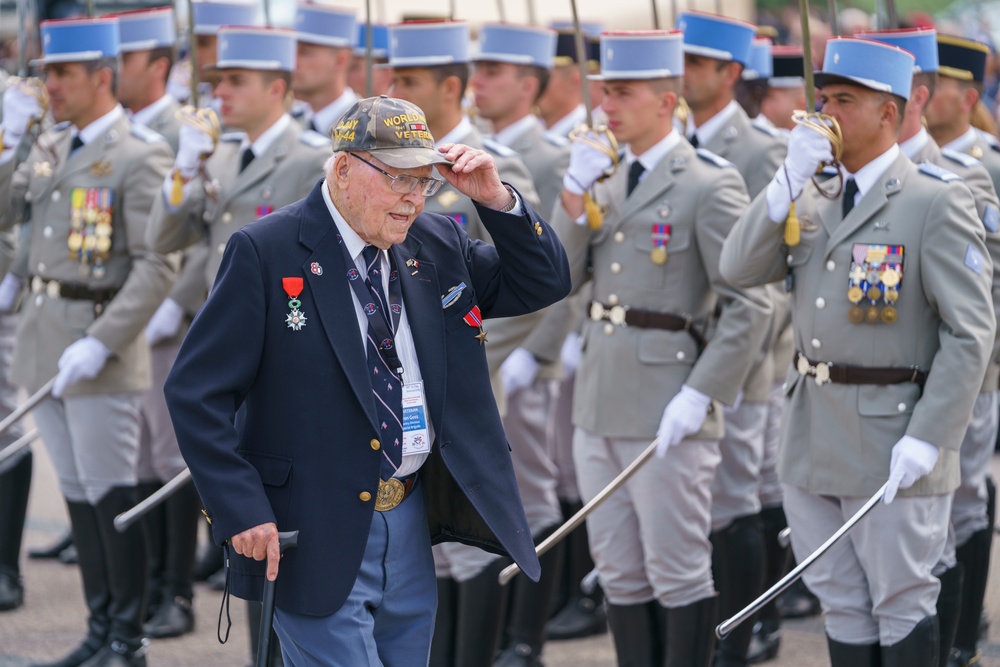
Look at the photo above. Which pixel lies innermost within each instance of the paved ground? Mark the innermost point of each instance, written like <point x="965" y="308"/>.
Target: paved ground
<point x="51" y="621"/>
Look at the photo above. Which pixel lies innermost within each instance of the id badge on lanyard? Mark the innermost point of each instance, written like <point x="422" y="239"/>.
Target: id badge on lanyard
<point x="416" y="438"/>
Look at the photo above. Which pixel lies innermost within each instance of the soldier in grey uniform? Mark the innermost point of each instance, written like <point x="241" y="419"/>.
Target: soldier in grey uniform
<point x="90" y="182"/>
<point x="357" y="73"/>
<point x="560" y="106"/>
<point x="962" y="67"/>
<point x="646" y="369"/>
<point x="209" y="16"/>
<point x="717" y="49"/>
<point x="471" y="604"/>
<point x="510" y="72"/>
<point x="886" y="370"/>
<point x="325" y="40"/>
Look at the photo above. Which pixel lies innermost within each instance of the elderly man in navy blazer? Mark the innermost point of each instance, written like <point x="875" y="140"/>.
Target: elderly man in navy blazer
<point x="346" y="329"/>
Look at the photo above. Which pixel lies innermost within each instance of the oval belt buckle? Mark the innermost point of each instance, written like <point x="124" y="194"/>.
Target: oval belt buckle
<point x="596" y="311"/>
<point x="617" y="315"/>
<point x="390" y="494"/>
<point x="822" y="373"/>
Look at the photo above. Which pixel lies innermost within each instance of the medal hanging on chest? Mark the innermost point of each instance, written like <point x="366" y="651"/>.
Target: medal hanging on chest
<point x="874" y="282"/>
<point x="295" y="319"/>
<point x="660" y="236"/>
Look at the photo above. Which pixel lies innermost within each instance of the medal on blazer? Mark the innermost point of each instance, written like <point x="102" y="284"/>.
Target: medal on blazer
<point x="474" y="318"/>
<point x="660" y="235"/>
<point x="295" y="319"/>
<point x="875" y="277"/>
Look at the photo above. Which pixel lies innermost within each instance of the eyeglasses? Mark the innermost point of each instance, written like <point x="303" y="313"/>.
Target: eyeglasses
<point x="404" y="183"/>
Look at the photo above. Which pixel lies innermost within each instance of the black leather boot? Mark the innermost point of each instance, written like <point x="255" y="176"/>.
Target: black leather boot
<point x="15" y="485"/>
<point x="174" y="615"/>
<point x="974" y="556"/>
<point x="127" y="571"/>
<point x="96" y="594"/>
<point x="482" y="608"/>
<point x="443" y="641"/>
<point x="153" y="529"/>
<point x="583" y="614"/>
<point x="691" y="634"/>
<point x="528" y="610"/>
<point x="766" y="637"/>
<point x="854" y="655"/>
<point x="918" y="649"/>
<point x="948" y="607"/>
<point x="638" y="631"/>
<point x="738" y="570"/>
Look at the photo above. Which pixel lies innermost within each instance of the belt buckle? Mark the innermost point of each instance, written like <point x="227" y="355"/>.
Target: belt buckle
<point x="52" y="289"/>
<point x="37" y="285"/>
<point x="390" y="494"/>
<point x="820" y="372"/>
<point x="614" y="314"/>
<point x="597" y="311"/>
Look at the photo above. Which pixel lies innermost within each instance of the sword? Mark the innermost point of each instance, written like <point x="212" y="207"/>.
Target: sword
<point x="27" y="406"/>
<point x="285" y="541"/>
<point x="19" y="444"/>
<point x="368" y="48"/>
<point x="727" y="626"/>
<point x="574" y="521"/>
<point x="128" y="517"/>
<point x="192" y="54"/>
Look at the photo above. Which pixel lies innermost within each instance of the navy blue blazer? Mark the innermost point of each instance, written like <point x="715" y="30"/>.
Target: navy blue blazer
<point x="300" y="453"/>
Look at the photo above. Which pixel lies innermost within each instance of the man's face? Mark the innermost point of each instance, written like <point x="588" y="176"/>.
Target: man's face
<point x="72" y="90"/>
<point x="562" y="84"/>
<point x="380" y="215"/>
<point x="705" y="79"/>
<point x="244" y="97"/>
<point x="946" y="107"/>
<point x="313" y="68"/>
<point x="134" y="77"/>
<point x="419" y="86"/>
<point x="859" y="112"/>
<point x="357" y="77"/>
<point x="497" y="87"/>
<point x="205" y="46"/>
<point x="779" y="103"/>
<point x="632" y="109"/>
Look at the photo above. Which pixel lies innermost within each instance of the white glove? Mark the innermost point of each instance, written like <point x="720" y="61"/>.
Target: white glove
<point x="83" y="360"/>
<point x="683" y="416"/>
<point x="570" y="353"/>
<point x="807" y="149"/>
<point x="165" y="322"/>
<point x="518" y="370"/>
<point x="19" y="108"/>
<point x="193" y="144"/>
<point x="586" y="165"/>
<point x="911" y="460"/>
<point x="10" y="289"/>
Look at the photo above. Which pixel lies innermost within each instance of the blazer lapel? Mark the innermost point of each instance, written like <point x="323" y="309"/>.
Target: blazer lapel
<point x="332" y="294"/>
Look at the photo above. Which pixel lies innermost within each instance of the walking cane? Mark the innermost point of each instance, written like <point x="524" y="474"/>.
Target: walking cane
<point x="18" y="445"/>
<point x="27" y="406"/>
<point x="574" y="521"/>
<point x="285" y="541"/>
<point x="128" y="517"/>
<point x="727" y="626"/>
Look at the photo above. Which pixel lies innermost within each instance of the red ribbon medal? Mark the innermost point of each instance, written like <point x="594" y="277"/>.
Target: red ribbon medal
<point x="474" y="318"/>
<point x="296" y="319"/>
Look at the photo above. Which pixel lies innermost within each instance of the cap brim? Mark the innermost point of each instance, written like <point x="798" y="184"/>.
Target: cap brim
<point x="409" y="158"/>
<point x="820" y="79"/>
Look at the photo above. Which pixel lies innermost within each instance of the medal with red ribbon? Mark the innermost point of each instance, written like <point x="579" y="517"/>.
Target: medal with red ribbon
<point x="474" y="318"/>
<point x="296" y="319"/>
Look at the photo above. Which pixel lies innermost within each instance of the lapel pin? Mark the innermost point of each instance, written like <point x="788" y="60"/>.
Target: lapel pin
<point x="316" y="268"/>
<point x="451" y="298"/>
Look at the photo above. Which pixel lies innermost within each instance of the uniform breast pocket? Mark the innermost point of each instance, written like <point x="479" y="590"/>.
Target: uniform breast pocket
<point x="657" y="346"/>
<point x="656" y="249"/>
<point x="454" y="314"/>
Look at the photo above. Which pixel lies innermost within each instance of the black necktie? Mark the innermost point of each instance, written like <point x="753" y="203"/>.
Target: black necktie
<point x="850" y="191"/>
<point x="246" y="158"/>
<point x="76" y="143"/>
<point x="694" y="140"/>
<point x="634" y="172"/>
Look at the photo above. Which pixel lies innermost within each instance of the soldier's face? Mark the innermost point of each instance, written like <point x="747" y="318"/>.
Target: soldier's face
<point x="205" y="45"/>
<point x="705" y="79"/>
<point x="946" y="107"/>
<point x="72" y="90"/>
<point x="378" y="214"/>
<point x="498" y="88"/>
<point x="860" y="113"/>
<point x="564" y="83"/>
<point x="419" y="86"/>
<point x="633" y="109"/>
<point x="779" y="103"/>
<point x="245" y="97"/>
<point x="357" y="77"/>
<point x="315" y="65"/>
<point x="134" y="78"/>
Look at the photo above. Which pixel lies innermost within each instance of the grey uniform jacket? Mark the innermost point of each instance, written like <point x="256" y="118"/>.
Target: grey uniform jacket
<point x="285" y="173"/>
<point x="547" y="158"/>
<point x="975" y="175"/>
<point x="166" y="124"/>
<point x="627" y="375"/>
<point x="837" y="438"/>
<point x="130" y="162"/>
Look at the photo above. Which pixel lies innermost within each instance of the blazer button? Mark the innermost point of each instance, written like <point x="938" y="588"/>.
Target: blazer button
<point x="365" y="496"/>
<point x="376" y="445"/>
<point x="227" y="217"/>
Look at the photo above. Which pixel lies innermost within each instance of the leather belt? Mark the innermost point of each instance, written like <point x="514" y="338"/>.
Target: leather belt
<point x="56" y="289"/>
<point x="645" y="319"/>
<point x="824" y="372"/>
<point x="392" y="492"/>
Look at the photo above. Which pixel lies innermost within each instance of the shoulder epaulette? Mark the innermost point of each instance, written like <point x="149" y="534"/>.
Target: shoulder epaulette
<point x="712" y="158"/>
<point x="494" y="146"/>
<point x="988" y="138"/>
<point x="556" y="140"/>
<point x="939" y="173"/>
<point x="232" y="136"/>
<point x="960" y="158"/>
<point x="314" y="139"/>
<point x="146" y="134"/>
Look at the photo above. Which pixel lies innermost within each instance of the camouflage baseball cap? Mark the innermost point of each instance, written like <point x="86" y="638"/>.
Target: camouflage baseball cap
<point x="392" y="130"/>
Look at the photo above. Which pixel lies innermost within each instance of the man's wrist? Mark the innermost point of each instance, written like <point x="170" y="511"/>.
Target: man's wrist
<point x="503" y="203"/>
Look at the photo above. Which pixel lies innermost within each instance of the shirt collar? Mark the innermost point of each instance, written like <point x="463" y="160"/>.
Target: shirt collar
<point x="354" y="244"/>
<point x="707" y="131"/>
<point x="458" y="132"/>
<point x="568" y="123"/>
<point x="331" y="113"/>
<point x="101" y="125"/>
<point x="912" y="146"/>
<point x="655" y="153"/>
<point x="147" y="115"/>
<point x="964" y="142"/>
<point x="512" y="132"/>
<point x="267" y="137"/>
<point x="867" y="177"/>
